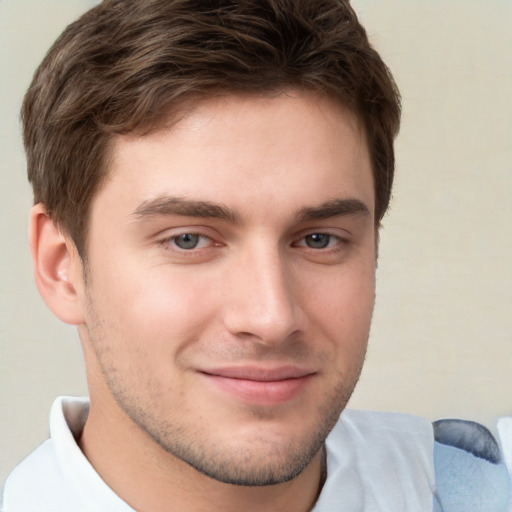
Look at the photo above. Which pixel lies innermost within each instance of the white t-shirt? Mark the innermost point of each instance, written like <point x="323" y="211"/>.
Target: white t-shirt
<point x="376" y="462"/>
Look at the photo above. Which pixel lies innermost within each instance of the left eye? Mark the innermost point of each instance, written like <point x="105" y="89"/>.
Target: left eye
<point x="188" y="241"/>
<point x="319" y="240"/>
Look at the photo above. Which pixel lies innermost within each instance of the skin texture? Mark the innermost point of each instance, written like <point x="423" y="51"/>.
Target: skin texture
<point x="218" y="362"/>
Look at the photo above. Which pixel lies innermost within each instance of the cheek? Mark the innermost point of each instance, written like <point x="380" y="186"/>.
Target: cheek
<point x="152" y="307"/>
<point x="344" y="308"/>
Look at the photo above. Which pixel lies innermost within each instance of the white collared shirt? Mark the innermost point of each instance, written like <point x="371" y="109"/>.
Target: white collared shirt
<point x="376" y="462"/>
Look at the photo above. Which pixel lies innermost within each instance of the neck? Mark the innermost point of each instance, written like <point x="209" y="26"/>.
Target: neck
<point x="149" y="478"/>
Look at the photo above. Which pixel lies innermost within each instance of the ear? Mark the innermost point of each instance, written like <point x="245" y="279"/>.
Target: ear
<point x="58" y="269"/>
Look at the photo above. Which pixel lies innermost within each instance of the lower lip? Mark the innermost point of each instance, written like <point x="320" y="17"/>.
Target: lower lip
<point x="263" y="393"/>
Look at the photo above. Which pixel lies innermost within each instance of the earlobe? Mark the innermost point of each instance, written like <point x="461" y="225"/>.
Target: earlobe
<point x="57" y="267"/>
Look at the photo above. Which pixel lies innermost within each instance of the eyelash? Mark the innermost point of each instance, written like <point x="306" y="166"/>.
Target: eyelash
<point x="338" y="244"/>
<point x="172" y="240"/>
<point x="333" y="243"/>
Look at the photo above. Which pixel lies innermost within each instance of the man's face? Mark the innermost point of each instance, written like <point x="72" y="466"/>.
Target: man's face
<point x="230" y="282"/>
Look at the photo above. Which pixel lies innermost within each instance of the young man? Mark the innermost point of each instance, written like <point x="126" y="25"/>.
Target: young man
<point x="209" y="178"/>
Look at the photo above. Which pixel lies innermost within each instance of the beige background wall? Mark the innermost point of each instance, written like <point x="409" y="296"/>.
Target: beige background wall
<point x="441" y="341"/>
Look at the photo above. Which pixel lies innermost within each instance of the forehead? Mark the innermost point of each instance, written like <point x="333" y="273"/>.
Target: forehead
<point x="294" y="149"/>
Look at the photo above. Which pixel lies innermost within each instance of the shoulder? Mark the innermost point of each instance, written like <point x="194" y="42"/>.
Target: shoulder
<point x="470" y="473"/>
<point x="37" y="475"/>
<point x="393" y="439"/>
<point x="379" y="461"/>
<point x="57" y="477"/>
<point x="459" y="462"/>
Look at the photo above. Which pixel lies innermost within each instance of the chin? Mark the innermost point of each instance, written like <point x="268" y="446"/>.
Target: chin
<point x="254" y="464"/>
<point x="267" y="452"/>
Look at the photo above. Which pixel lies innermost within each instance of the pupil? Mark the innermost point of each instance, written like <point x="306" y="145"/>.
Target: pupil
<point x="317" y="240"/>
<point x="187" y="241"/>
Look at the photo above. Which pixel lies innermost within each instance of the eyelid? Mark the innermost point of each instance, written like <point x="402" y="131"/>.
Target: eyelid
<point x="335" y="241"/>
<point x="341" y="234"/>
<point x="175" y="231"/>
<point x="165" y="238"/>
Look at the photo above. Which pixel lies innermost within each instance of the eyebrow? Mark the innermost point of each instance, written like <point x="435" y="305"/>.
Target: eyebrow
<point x="167" y="205"/>
<point x="334" y="208"/>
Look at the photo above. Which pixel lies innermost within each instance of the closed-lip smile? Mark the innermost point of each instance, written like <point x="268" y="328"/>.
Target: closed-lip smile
<point x="260" y="385"/>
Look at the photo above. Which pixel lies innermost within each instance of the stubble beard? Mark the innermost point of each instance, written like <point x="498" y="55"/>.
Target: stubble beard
<point x="285" y="460"/>
<point x="252" y="463"/>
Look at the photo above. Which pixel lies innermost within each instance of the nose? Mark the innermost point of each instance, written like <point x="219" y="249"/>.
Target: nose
<point x="262" y="299"/>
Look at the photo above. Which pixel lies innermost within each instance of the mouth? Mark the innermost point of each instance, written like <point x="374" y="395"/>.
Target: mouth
<point x="260" y="386"/>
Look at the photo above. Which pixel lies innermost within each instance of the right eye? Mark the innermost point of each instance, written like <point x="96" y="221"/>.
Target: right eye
<point x="182" y="246"/>
<point x="188" y="241"/>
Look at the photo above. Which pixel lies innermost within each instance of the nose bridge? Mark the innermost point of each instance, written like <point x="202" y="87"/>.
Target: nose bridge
<point x="263" y="301"/>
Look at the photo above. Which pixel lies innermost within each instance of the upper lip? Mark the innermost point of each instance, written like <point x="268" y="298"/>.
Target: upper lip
<point x="260" y="374"/>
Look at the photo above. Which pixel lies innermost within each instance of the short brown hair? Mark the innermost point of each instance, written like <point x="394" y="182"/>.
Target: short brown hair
<point x="125" y="64"/>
